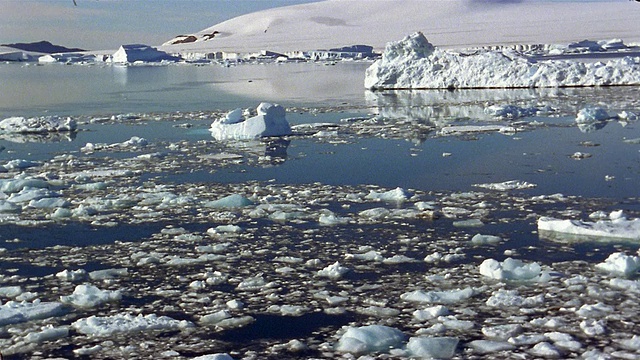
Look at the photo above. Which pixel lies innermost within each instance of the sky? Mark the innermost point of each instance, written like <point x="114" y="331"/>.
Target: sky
<point x="107" y="24"/>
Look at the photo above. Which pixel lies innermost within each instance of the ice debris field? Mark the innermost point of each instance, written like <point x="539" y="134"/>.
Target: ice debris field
<point x="261" y="269"/>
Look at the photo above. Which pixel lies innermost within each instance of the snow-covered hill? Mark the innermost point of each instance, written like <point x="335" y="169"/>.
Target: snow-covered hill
<point x="446" y="23"/>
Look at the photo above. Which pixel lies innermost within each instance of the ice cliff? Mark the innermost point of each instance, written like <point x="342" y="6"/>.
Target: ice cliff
<point x="414" y="63"/>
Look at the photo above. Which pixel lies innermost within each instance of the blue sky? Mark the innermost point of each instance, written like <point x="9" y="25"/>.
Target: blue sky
<point x="107" y="24"/>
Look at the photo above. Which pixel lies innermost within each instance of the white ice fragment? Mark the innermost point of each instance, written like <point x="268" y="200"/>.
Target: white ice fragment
<point x="632" y="343"/>
<point x="252" y="283"/>
<point x="439" y="297"/>
<point x="620" y="264"/>
<point x="17" y="312"/>
<point x="10" y="291"/>
<point x="397" y="195"/>
<point x="490" y="346"/>
<point x="479" y="239"/>
<point x="369" y="339"/>
<point x="235" y="304"/>
<point x="597" y="310"/>
<point x="545" y="350"/>
<point x="108" y="273"/>
<point x="224" y="229"/>
<point x="593" y="327"/>
<point x="510" y="298"/>
<point x="37" y="125"/>
<point x="333" y="271"/>
<point x="332" y="219"/>
<point x="614" y="229"/>
<point x="502" y="332"/>
<point x="48" y="333"/>
<point x="507" y="185"/>
<point x="370" y="255"/>
<point x="398" y="259"/>
<point x="430" y="313"/>
<point x="219" y="356"/>
<point x="512" y="269"/>
<point x="509" y="111"/>
<point x="270" y="121"/>
<point x="16" y="185"/>
<point x="88" y="296"/>
<point x="591" y="114"/>
<point x="127" y="323"/>
<point x="229" y="202"/>
<point x="432" y="347"/>
<point x="378" y="213"/>
<point x="72" y="275"/>
<point x="213" y="319"/>
<point x="18" y="164"/>
<point x="288" y="310"/>
<point x="564" y="340"/>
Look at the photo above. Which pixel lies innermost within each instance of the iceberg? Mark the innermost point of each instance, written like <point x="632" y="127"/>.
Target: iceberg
<point x="126" y="323"/>
<point x="512" y="269"/>
<point x="270" y="121"/>
<point x="414" y="63"/>
<point x="620" y="264"/>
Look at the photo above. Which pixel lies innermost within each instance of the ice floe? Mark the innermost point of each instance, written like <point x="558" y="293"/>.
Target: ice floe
<point x="615" y="228"/>
<point x="127" y="323"/>
<point x="270" y="121"/>
<point x="37" y="125"/>
<point x="88" y="296"/>
<point x="512" y="269"/>
<point x="414" y="63"/>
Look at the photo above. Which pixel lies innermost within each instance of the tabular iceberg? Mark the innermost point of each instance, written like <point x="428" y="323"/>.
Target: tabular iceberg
<point x="270" y="121"/>
<point x="414" y="63"/>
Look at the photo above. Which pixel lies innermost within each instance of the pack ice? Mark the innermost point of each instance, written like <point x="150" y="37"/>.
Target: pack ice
<point x="414" y="63"/>
<point x="270" y="121"/>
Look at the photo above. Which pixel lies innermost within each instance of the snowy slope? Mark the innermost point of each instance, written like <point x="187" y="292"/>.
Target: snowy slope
<point x="446" y="23"/>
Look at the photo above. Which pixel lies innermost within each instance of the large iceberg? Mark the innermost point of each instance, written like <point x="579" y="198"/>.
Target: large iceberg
<point x="617" y="227"/>
<point x="414" y="63"/>
<point x="36" y="125"/>
<point x="270" y="121"/>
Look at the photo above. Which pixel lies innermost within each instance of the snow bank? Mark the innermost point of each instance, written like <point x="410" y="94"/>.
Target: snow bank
<point x="618" y="227"/>
<point x="414" y="63"/>
<point x="270" y="121"/>
<point x="37" y="125"/>
<point x="126" y="323"/>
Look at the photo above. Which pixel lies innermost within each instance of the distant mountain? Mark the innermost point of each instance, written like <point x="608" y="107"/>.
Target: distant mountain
<point x="446" y="23"/>
<point x="42" y="47"/>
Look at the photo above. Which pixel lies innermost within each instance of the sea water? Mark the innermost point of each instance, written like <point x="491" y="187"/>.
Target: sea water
<point x="150" y="215"/>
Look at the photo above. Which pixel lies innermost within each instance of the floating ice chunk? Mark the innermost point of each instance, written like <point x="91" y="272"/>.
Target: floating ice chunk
<point x="512" y="269"/>
<point x="479" y="239"/>
<point x="370" y="255"/>
<point x="490" y="346"/>
<point x="10" y="291"/>
<point x="510" y="111"/>
<point x="49" y="203"/>
<point x="564" y="341"/>
<point x="397" y="194"/>
<point x="502" y="332"/>
<point x="332" y="219"/>
<point x="224" y="229"/>
<point x="252" y="283"/>
<point x="613" y="229"/>
<point x="233" y="117"/>
<point x="270" y="121"/>
<point x="369" y="339"/>
<point x="333" y="271"/>
<point x="127" y="323"/>
<point x="108" y="274"/>
<point x="72" y="275"/>
<point x="620" y="264"/>
<point x="507" y="185"/>
<point x="544" y="349"/>
<point x="213" y="319"/>
<point x="430" y="313"/>
<point x="510" y="298"/>
<point x="17" y="312"/>
<point x="375" y="213"/>
<point x="288" y="310"/>
<point x="591" y="115"/>
<point x="37" y="125"/>
<point x="631" y="344"/>
<point x="457" y="130"/>
<point x="28" y="194"/>
<point x="414" y="63"/>
<point x="595" y="310"/>
<point x="229" y="202"/>
<point x="219" y="356"/>
<point x="439" y="297"/>
<point x="398" y="259"/>
<point x="432" y="347"/>
<point x="18" y="164"/>
<point x="593" y="327"/>
<point x="88" y="296"/>
<point x="16" y="185"/>
<point x="48" y="333"/>
<point x="9" y="207"/>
